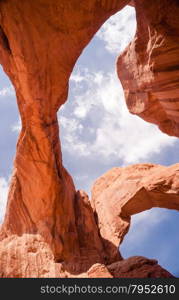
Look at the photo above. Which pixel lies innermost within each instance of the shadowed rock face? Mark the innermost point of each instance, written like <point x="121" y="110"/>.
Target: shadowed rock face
<point x="149" y="67"/>
<point x="50" y="230"/>
<point x="138" y="267"/>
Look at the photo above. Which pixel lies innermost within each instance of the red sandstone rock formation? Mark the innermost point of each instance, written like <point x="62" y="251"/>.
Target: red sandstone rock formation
<point x="29" y="256"/>
<point x="133" y="267"/>
<point x="116" y="196"/>
<point x="137" y="267"/>
<point x="50" y="230"/>
<point x="122" y="192"/>
<point x="149" y="67"/>
<point x="40" y="42"/>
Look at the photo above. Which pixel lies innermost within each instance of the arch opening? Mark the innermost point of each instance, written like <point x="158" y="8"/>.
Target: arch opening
<point x="153" y="234"/>
<point x="9" y="130"/>
<point x="95" y="125"/>
<point x="110" y="143"/>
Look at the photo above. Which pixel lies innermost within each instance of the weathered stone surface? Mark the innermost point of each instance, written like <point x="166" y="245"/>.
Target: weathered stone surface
<point x="40" y="41"/>
<point x="50" y="230"/>
<point x="149" y="67"/>
<point x="122" y="192"/>
<point x="91" y="248"/>
<point x="138" y="267"/>
<point x="99" y="271"/>
<point x="29" y="256"/>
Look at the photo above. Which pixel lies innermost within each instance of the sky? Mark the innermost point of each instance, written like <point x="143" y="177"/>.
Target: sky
<point x="98" y="133"/>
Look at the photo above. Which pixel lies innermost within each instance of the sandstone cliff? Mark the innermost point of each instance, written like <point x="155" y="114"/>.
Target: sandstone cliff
<point x="149" y="67"/>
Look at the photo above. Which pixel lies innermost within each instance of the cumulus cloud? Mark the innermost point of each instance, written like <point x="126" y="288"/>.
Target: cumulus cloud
<point x="72" y="129"/>
<point x="119" y="30"/>
<point x="17" y="126"/>
<point x="3" y="197"/>
<point x="102" y="126"/>
<point x="7" y="91"/>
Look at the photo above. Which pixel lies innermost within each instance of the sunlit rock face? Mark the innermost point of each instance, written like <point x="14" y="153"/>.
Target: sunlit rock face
<point x="50" y="230"/>
<point x="123" y="192"/>
<point x="149" y="67"/>
<point x="40" y="42"/>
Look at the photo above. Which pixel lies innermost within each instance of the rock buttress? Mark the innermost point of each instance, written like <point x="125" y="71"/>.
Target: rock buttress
<point x="149" y="67"/>
<point x="40" y="41"/>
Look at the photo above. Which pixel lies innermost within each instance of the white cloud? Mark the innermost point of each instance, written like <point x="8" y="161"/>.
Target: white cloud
<point x="119" y="30"/>
<point x="3" y="197"/>
<point x="71" y="128"/>
<point x="118" y="134"/>
<point x="151" y="217"/>
<point x="17" y="126"/>
<point x="7" y="91"/>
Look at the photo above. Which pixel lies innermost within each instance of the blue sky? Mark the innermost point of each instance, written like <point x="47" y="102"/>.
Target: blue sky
<point x="98" y="133"/>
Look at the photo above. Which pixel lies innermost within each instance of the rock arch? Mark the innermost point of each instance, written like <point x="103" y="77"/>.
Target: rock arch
<point x="40" y="42"/>
<point x="122" y="192"/>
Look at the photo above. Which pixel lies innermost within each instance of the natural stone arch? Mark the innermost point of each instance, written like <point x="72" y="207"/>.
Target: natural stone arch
<point x="153" y="233"/>
<point x="122" y="192"/>
<point x="40" y="41"/>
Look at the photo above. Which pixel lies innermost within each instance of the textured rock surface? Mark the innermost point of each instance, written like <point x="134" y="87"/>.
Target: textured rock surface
<point x="50" y="230"/>
<point x="40" y="42"/>
<point x="30" y="256"/>
<point x="99" y="271"/>
<point x="137" y="267"/>
<point x="116" y="195"/>
<point x="122" y="192"/>
<point x="149" y="67"/>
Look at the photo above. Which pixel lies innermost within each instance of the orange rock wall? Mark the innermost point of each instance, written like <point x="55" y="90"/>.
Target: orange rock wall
<point x="40" y="41"/>
<point x="50" y="230"/>
<point x="149" y="67"/>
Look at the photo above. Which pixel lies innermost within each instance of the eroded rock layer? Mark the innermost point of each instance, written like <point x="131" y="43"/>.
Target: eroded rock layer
<point x="122" y="192"/>
<point x="116" y="196"/>
<point x="40" y="41"/>
<point x="50" y="230"/>
<point x="29" y="256"/>
<point x="149" y="67"/>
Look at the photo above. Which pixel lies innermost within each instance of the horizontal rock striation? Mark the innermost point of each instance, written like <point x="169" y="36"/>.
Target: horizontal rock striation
<point x="149" y="67"/>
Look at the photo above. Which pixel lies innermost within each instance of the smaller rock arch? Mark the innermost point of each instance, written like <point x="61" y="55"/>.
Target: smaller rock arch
<point x="123" y="192"/>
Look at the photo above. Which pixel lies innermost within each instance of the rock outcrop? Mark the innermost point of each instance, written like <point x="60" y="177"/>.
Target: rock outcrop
<point x="149" y="67"/>
<point x="116" y="196"/>
<point x="122" y="192"/>
<point x="133" y="267"/>
<point x="40" y="42"/>
<point x="50" y="230"/>
<point x="28" y="256"/>
<point x="138" y="267"/>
